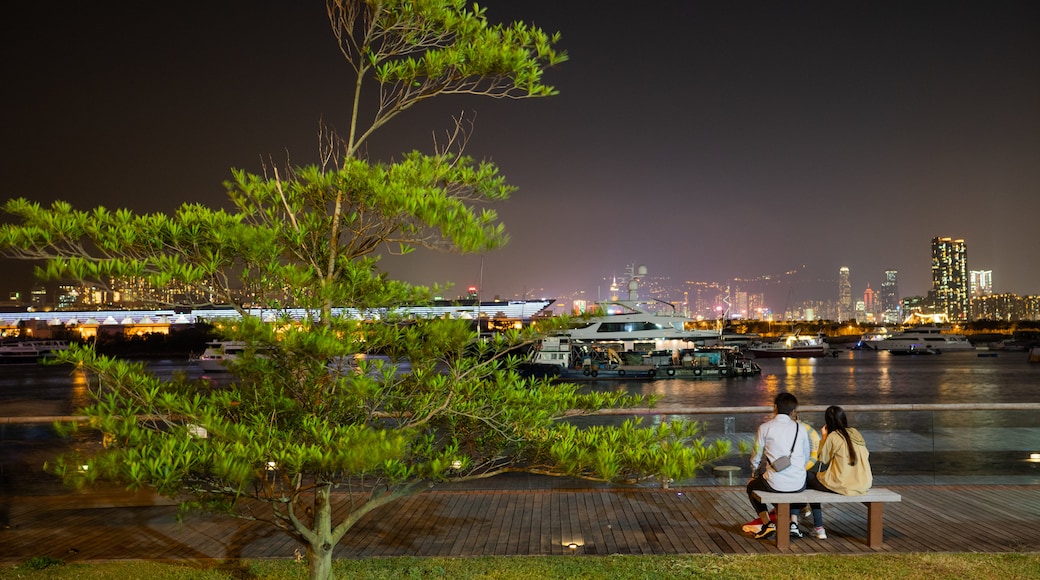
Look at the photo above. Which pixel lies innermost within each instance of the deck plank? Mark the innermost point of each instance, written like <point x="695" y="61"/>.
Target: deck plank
<point x="506" y="522"/>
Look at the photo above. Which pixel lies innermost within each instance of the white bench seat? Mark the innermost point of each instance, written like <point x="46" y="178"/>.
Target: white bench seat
<point x="875" y="500"/>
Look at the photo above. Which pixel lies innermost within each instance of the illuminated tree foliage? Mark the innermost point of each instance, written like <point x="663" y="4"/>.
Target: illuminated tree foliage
<point x="314" y="423"/>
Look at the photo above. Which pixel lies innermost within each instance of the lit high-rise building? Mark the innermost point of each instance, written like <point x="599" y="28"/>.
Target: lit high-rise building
<point x="981" y="283"/>
<point x="868" y="303"/>
<point x="888" y="298"/>
<point x="844" y="294"/>
<point x="38" y="297"/>
<point x="950" y="278"/>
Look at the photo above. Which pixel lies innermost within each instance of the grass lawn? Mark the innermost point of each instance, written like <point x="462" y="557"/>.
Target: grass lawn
<point x="933" y="566"/>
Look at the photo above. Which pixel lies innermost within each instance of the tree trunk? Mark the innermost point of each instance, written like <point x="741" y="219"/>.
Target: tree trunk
<point x="319" y="550"/>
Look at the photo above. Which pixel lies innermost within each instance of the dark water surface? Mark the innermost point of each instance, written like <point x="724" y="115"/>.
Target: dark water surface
<point x="853" y="378"/>
<point x="866" y="377"/>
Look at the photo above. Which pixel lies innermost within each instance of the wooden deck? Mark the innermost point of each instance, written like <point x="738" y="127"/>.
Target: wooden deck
<point x="539" y="521"/>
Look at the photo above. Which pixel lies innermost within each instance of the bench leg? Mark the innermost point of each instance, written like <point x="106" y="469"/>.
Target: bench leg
<point x="783" y="525"/>
<point x="875" y="529"/>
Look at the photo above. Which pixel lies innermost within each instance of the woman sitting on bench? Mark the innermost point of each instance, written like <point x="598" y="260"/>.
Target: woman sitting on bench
<point x="844" y="461"/>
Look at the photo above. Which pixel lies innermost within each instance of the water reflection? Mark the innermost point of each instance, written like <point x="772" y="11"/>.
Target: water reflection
<point x="81" y="394"/>
<point x="858" y="378"/>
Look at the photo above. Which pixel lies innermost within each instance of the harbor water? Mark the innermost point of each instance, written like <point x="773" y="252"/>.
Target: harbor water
<point x="961" y="417"/>
<point x="928" y="419"/>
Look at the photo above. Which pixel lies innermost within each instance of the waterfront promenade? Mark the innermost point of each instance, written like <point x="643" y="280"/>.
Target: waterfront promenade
<point x="518" y="516"/>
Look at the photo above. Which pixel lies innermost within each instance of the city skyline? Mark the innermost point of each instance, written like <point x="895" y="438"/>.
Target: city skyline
<point x="708" y="142"/>
<point x="795" y="284"/>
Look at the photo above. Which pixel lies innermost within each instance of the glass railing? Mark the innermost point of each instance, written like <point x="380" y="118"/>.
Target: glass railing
<point x="995" y="444"/>
<point x="909" y="444"/>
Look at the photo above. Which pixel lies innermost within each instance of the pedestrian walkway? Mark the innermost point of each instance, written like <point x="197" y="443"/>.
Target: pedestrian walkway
<point x="533" y="517"/>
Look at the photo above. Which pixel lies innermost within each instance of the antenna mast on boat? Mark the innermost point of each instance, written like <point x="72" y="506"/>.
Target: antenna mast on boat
<point x="635" y="274"/>
<point x="725" y="313"/>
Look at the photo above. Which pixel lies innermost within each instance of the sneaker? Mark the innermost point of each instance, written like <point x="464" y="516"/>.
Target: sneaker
<point x="755" y="525"/>
<point x="821" y="534"/>
<point x="807" y="512"/>
<point x="795" y="532"/>
<point x="767" y="531"/>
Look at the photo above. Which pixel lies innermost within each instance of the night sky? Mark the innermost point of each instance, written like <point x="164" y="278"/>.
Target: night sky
<point x="705" y="140"/>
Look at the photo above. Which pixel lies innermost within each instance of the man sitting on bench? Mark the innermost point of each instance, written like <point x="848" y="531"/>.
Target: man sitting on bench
<point x="781" y="450"/>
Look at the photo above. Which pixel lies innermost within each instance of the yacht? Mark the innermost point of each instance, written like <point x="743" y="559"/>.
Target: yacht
<point x="869" y="340"/>
<point x="628" y="340"/>
<point x="633" y="324"/>
<point x="30" y="351"/>
<point x="922" y="338"/>
<point x="793" y="345"/>
<point x="217" y="355"/>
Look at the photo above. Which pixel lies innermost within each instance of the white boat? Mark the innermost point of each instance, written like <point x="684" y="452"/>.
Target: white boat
<point x="793" y="345"/>
<point x="636" y="327"/>
<point x="217" y="355"/>
<point x="30" y="351"/>
<point x="623" y="341"/>
<point x="630" y="337"/>
<point x="921" y="339"/>
<point x="869" y="341"/>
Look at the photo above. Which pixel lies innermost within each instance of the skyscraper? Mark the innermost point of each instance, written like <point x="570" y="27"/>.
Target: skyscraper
<point x="950" y="277"/>
<point x="888" y="298"/>
<point x="981" y="283"/>
<point x="868" y="303"/>
<point x="844" y="294"/>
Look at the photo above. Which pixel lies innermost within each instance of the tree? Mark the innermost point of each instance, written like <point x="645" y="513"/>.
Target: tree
<point x="329" y="413"/>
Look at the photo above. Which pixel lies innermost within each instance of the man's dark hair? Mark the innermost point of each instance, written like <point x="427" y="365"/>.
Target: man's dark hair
<point x="785" y="403"/>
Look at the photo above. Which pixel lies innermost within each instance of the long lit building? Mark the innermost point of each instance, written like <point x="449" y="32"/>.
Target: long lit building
<point x="950" y="278"/>
<point x="493" y="314"/>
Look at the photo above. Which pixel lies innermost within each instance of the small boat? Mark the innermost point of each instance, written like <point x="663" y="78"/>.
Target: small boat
<point x="1034" y="354"/>
<point x="718" y="361"/>
<point x="217" y="355"/>
<point x="793" y="345"/>
<point x="30" y="351"/>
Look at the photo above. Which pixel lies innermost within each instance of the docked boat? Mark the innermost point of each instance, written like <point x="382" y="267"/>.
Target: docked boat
<point x="922" y="339"/>
<point x="626" y="338"/>
<point x="793" y="345"/>
<point x="218" y="354"/>
<point x="869" y="341"/>
<point x="561" y="358"/>
<point x="717" y="361"/>
<point x="638" y="327"/>
<point x="30" y="351"/>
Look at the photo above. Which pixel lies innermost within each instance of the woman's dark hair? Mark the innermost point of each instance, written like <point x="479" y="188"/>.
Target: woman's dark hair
<point x="837" y="422"/>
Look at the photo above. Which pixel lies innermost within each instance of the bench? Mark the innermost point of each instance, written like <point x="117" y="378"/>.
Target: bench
<point x="875" y="499"/>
